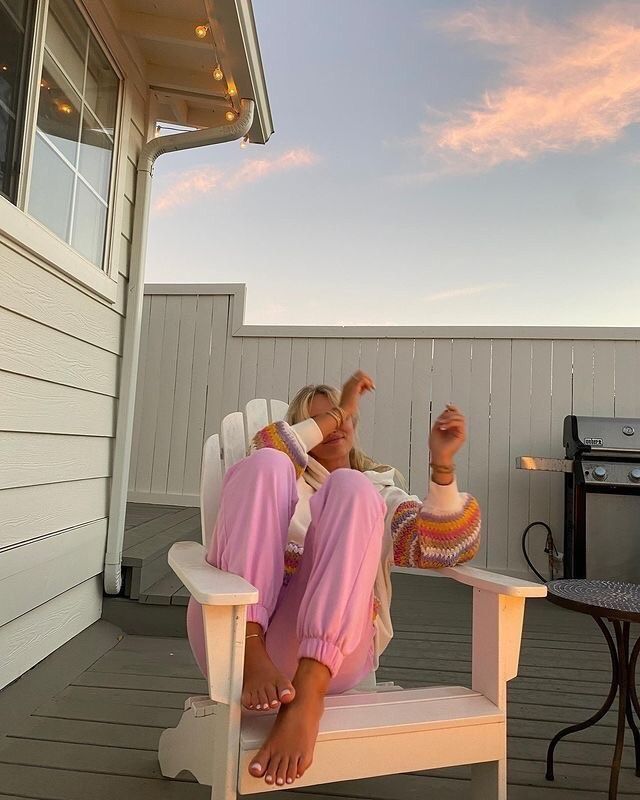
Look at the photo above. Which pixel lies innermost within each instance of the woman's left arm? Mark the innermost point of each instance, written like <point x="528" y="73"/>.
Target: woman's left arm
<point x="444" y="530"/>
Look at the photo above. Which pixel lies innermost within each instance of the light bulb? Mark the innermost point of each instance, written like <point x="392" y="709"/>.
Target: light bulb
<point x="201" y="31"/>
<point x="232" y="91"/>
<point x="218" y="74"/>
<point x="230" y="116"/>
<point x="245" y="141"/>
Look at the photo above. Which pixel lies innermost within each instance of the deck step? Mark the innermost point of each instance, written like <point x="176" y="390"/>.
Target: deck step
<point x="144" y="558"/>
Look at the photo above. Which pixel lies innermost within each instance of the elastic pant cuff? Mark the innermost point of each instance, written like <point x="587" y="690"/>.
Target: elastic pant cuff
<point x="324" y="652"/>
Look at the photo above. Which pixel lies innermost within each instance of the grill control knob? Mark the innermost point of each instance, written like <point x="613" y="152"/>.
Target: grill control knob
<point x="600" y="473"/>
<point x="634" y="475"/>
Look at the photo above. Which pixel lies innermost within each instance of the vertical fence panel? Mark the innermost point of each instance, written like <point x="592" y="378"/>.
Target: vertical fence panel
<point x="180" y="421"/>
<point x="627" y="395"/>
<point x="604" y="354"/>
<point x="478" y="436"/>
<point x="497" y="511"/>
<point x="217" y="359"/>
<point x="248" y="370"/>
<point x="150" y="397"/>
<point x="383" y="399"/>
<point x="281" y="370"/>
<point x="561" y="406"/>
<point x="399" y="452"/>
<point x="368" y="362"/>
<point x="166" y="394"/>
<point x="315" y="364"/>
<point x="519" y="444"/>
<point x="583" y="378"/>
<point x="266" y="363"/>
<point x="197" y="400"/>
<point x="420" y="415"/>
<point x="539" y="482"/>
<point x="299" y="360"/>
<point x="333" y="363"/>
<point x="460" y="396"/>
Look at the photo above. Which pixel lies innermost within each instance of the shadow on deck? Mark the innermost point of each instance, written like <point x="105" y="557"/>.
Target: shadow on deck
<point x="85" y="722"/>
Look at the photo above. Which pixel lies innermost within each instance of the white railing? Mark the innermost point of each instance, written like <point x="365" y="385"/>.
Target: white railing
<point x="199" y="362"/>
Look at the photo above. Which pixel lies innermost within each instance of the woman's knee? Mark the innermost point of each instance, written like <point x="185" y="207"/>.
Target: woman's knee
<point x="268" y="461"/>
<point x="356" y="486"/>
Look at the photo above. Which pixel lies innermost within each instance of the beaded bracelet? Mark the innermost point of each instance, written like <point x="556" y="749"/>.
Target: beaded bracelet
<point x="445" y="469"/>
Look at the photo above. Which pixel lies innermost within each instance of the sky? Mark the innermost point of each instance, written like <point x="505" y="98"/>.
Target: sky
<point x="433" y="163"/>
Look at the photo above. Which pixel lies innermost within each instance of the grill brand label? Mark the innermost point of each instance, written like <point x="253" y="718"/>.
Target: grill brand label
<point x="594" y="442"/>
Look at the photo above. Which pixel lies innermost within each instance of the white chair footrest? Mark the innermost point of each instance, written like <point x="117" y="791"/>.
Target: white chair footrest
<point x="388" y="732"/>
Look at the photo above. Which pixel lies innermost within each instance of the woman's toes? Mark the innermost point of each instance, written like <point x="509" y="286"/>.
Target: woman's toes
<point x="263" y="702"/>
<point x="292" y="771"/>
<point x="256" y="768"/>
<point x="286" y="692"/>
<point x="272" y="698"/>
<point x="281" y="774"/>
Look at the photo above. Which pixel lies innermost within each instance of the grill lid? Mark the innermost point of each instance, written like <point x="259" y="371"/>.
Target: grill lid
<point x="601" y="435"/>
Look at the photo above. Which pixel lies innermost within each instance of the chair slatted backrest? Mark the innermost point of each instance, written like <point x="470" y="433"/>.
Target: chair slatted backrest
<point x="222" y="450"/>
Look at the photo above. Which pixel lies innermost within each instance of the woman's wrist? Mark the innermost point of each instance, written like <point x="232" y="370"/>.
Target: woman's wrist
<point x="442" y="470"/>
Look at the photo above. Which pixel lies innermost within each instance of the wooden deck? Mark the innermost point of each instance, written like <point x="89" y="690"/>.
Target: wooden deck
<point x="84" y="724"/>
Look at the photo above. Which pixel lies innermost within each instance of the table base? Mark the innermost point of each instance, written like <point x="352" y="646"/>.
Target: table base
<point x="623" y="668"/>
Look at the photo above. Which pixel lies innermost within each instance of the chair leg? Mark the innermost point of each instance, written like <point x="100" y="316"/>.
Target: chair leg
<point x="489" y="780"/>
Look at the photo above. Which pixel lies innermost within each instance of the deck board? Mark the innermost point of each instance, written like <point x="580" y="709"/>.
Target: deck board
<point x="96" y="734"/>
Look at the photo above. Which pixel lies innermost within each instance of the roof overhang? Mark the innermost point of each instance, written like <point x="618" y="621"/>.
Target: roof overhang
<point x="178" y="66"/>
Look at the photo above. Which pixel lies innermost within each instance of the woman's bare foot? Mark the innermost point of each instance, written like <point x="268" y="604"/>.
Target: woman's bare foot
<point x="288" y="751"/>
<point x="264" y="686"/>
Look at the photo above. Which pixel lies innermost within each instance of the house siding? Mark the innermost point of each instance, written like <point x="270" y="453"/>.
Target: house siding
<point x="60" y="352"/>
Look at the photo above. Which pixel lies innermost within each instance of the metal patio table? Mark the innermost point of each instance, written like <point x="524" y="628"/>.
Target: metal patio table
<point x="619" y="603"/>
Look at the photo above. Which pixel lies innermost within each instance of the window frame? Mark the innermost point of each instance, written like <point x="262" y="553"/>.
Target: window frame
<point x="26" y="231"/>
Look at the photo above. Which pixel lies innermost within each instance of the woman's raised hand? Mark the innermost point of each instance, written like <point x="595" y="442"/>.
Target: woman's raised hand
<point x="354" y="388"/>
<point x="447" y="436"/>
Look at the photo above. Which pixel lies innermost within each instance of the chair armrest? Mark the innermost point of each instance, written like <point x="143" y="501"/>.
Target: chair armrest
<point x="207" y="584"/>
<point x="494" y="582"/>
<point x="483" y="579"/>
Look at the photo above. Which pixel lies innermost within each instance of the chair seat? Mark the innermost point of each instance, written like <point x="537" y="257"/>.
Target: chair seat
<point x="407" y="730"/>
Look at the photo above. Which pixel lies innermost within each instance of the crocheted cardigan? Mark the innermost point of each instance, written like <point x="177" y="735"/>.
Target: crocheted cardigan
<point x="441" y="531"/>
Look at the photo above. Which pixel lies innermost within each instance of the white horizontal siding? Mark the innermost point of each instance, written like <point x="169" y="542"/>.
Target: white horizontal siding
<point x="27" y="460"/>
<point x="200" y="362"/>
<point x="33" y="636"/>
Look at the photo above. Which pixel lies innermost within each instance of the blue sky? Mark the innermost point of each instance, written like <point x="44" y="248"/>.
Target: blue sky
<point x="433" y="163"/>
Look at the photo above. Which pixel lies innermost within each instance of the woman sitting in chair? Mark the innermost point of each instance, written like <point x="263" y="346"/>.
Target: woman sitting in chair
<point x="315" y="525"/>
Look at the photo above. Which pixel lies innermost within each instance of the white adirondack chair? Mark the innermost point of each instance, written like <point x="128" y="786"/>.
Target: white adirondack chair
<point x="362" y="733"/>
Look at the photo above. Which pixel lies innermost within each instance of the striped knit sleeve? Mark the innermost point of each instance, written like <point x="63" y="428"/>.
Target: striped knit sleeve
<point x="432" y="539"/>
<point x="293" y="440"/>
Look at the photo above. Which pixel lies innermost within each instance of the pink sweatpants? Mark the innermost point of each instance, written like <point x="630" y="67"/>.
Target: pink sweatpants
<point x="325" y="611"/>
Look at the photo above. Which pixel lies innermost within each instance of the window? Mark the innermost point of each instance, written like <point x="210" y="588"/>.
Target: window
<point x="72" y="161"/>
<point x="16" y="20"/>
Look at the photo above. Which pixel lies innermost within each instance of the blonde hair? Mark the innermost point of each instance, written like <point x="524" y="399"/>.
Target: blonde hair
<point x="358" y="459"/>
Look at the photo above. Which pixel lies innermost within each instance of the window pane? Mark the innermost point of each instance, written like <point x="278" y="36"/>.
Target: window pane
<point x="89" y="224"/>
<point x="13" y="78"/>
<point x="51" y="189"/>
<point x="59" y="110"/>
<point x="101" y="90"/>
<point x="67" y="39"/>
<point x="95" y="154"/>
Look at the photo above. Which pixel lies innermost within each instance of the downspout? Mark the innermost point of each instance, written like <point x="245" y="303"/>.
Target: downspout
<point x="133" y="322"/>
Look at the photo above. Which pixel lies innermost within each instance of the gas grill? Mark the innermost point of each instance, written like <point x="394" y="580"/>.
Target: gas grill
<point x="602" y="458"/>
<point x="605" y="457"/>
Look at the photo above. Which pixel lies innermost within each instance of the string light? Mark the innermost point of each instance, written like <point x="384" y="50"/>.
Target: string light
<point x="4" y="67"/>
<point x="232" y="91"/>
<point x="218" y="74"/>
<point x="64" y="108"/>
<point x="245" y="141"/>
<point x="230" y="116"/>
<point x="201" y="31"/>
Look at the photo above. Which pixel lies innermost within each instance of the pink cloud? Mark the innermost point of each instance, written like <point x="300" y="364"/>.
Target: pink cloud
<point x="564" y="88"/>
<point x="203" y="180"/>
